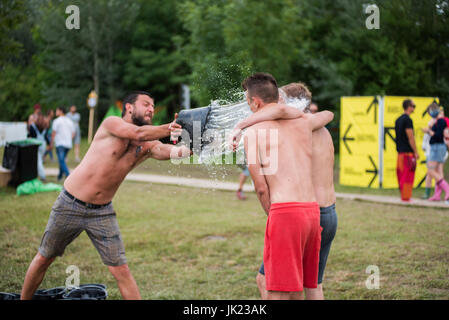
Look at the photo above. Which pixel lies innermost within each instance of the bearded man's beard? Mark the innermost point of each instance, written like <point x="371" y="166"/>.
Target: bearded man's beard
<point x="139" y="120"/>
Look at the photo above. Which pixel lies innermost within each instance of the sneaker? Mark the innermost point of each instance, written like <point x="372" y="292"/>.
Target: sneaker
<point x="240" y="195"/>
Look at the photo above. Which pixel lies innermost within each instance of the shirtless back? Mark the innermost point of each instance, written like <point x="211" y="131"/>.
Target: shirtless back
<point x="294" y="178"/>
<point x="290" y="182"/>
<point x="323" y="167"/>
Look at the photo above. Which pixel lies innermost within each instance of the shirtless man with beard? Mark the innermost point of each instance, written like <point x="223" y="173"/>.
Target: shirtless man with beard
<point x="84" y="204"/>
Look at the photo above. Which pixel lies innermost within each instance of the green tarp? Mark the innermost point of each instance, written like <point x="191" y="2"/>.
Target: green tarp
<point x="35" y="186"/>
<point x="113" y="111"/>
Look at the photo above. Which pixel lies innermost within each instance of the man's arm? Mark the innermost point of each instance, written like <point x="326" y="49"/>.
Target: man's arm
<point x="162" y="151"/>
<point x="122" y="129"/>
<point x="256" y="172"/>
<point x="320" y="119"/>
<point x="270" y="112"/>
<point x="411" y="140"/>
<point x="73" y="130"/>
<point x="53" y="134"/>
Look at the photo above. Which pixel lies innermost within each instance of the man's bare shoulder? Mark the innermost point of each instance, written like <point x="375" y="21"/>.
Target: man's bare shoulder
<point x="111" y="123"/>
<point x="265" y="124"/>
<point x="112" y="120"/>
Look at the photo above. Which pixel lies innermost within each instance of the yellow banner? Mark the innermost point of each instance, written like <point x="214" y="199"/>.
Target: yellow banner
<point x="359" y="142"/>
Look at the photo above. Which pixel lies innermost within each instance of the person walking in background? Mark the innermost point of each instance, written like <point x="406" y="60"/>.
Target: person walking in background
<point x="38" y="130"/>
<point x="426" y="148"/>
<point x="76" y="117"/>
<point x="242" y="179"/>
<point x="438" y="151"/>
<point x="407" y="152"/>
<point x="33" y="117"/>
<point x="48" y="122"/>
<point x="61" y="137"/>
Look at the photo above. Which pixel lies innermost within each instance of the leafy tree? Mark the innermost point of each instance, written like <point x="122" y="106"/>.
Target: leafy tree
<point x="231" y="39"/>
<point x="78" y="61"/>
<point x="11" y="16"/>
<point x="154" y="62"/>
<point x="20" y="72"/>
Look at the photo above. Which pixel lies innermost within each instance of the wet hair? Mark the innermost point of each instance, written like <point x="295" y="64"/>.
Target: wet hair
<point x="297" y="90"/>
<point x="132" y="98"/>
<point x="262" y="85"/>
<point x="407" y="103"/>
<point x="300" y="91"/>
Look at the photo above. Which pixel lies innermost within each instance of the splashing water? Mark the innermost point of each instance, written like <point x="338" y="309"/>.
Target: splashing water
<point x="298" y="103"/>
<point x="222" y="118"/>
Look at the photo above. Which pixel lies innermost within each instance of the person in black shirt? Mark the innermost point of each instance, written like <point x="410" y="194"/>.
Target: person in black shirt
<point x="407" y="152"/>
<point x="438" y="151"/>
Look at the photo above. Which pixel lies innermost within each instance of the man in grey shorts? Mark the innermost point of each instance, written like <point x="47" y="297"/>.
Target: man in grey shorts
<point x="84" y="204"/>
<point x="323" y="180"/>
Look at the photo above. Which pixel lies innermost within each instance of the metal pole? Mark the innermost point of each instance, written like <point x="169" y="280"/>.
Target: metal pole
<point x="91" y="125"/>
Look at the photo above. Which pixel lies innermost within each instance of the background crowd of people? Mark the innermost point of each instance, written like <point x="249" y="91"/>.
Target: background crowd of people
<point x="60" y="134"/>
<point x="435" y="145"/>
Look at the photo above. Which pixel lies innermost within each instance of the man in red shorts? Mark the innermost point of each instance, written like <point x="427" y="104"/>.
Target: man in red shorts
<point x="279" y="160"/>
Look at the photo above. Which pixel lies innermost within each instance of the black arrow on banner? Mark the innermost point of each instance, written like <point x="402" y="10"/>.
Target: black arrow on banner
<point x="374" y="103"/>
<point x="387" y="133"/>
<point x="425" y="111"/>
<point x="372" y="171"/>
<point x="346" y="138"/>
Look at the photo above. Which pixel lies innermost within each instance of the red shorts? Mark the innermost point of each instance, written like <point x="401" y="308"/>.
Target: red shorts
<point x="292" y="246"/>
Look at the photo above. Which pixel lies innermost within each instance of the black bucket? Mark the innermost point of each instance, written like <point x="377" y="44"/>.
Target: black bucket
<point x="87" y="292"/>
<point x="99" y="285"/>
<point x="186" y="119"/>
<point x="50" y="294"/>
<point x="9" y="296"/>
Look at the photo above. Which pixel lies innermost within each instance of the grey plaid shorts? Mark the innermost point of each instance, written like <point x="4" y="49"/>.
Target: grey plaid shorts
<point x="69" y="218"/>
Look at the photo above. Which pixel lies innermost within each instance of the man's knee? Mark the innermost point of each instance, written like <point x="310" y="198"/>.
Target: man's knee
<point x="43" y="262"/>
<point x="314" y="293"/>
<point x="120" y="272"/>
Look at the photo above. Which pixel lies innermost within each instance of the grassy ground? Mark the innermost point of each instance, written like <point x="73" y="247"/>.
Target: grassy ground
<point x="186" y="243"/>
<point x="174" y="253"/>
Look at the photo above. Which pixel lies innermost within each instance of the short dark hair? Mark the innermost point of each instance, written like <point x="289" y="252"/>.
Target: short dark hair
<point x="131" y="98"/>
<point x="407" y="103"/>
<point x="62" y="109"/>
<point x="262" y="85"/>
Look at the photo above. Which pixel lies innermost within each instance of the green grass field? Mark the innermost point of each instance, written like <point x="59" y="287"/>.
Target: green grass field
<point x="186" y="243"/>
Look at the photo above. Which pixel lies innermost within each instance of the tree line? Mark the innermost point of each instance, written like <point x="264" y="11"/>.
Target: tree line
<point x="212" y="45"/>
